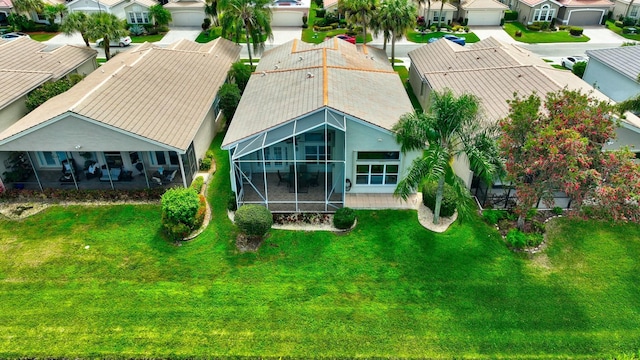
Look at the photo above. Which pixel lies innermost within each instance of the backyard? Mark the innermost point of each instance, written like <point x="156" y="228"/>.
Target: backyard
<point x="102" y="282"/>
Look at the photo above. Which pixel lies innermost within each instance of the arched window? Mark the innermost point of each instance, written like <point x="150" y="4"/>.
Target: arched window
<point x="545" y="13"/>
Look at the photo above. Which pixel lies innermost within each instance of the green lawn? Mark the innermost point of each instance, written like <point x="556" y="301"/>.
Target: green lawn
<point x="42" y="36"/>
<point x="389" y="288"/>
<point x="147" y="38"/>
<point x="612" y="26"/>
<point x="531" y="37"/>
<point x="212" y="34"/>
<point x="417" y="37"/>
<point x="315" y="37"/>
<point x="403" y="72"/>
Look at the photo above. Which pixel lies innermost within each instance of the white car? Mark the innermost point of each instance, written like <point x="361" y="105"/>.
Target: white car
<point x="13" y="35"/>
<point x="122" y="42"/>
<point x="569" y="61"/>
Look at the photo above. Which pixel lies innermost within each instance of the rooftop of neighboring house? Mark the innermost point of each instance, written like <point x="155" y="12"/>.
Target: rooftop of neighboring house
<point x="297" y="78"/>
<point x="435" y="6"/>
<point x="622" y="59"/>
<point x="26" y="64"/>
<point x="483" y="5"/>
<point x="493" y="71"/>
<point x="532" y="3"/>
<point x="6" y="4"/>
<point x="159" y="94"/>
<point x="586" y="3"/>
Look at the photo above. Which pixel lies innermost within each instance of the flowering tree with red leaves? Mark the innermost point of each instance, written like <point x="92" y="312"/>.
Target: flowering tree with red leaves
<point x="558" y="147"/>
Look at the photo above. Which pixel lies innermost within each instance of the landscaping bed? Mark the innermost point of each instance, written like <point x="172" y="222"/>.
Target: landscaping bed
<point x="538" y="36"/>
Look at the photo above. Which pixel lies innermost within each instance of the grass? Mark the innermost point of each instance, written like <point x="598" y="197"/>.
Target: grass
<point x="556" y="66"/>
<point x="403" y="72"/>
<point x="418" y="37"/>
<point x="42" y="36"/>
<point x="147" y="38"/>
<point x="389" y="288"/>
<point x="316" y="37"/>
<point x="531" y="37"/>
<point x="612" y="26"/>
<point x="210" y="35"/>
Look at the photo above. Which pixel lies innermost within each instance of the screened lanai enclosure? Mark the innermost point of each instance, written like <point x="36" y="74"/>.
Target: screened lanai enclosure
<point x="296" y="167"/>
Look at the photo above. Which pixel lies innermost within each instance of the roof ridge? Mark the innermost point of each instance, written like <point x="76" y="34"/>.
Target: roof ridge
<point x="484" y="68"/>
<point x="28" y="71"/>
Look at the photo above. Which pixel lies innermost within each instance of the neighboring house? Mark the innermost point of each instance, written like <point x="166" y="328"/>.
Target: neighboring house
<point x="147" y="110"/>
<point x="314" y="122"/>
<point x="566" y="12"/>
<point x="133" y="11"/>
<point x="289" y="12"/>
<point x="6" y="8"/>
<point x="482" y="12"/>
<point x="614" y="71"/>
<point x="621" y="9"/>
<point x="186" y="13"/>
<point x="27" y="64"/>
<point x="434" y="15"/>
<point x="493" y="72"/>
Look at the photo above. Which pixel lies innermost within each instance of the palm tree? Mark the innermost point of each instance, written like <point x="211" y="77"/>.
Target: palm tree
<point x="449" y="130"/>
<point x="626" y="13"/>
<point x="442" y="2"/>
<point x="632" y="104"/>
<point x="360" y="12"/>
<point x="160" y="15"/>
<point x="51" y="11"/>
<point x="252" y="15"/>
<point x="394" y="18"/>
<point x="76" y="21"/>
<point x="211" y="10"/>
<point x="28" y="6"/>
<point x="105" y="26"/>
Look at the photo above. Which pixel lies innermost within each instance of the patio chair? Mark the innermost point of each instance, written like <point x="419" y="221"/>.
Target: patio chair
<point x="169" y="178"/>
<point x="140" y="167"/>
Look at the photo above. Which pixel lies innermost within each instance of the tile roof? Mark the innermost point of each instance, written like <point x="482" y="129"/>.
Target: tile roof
<point x="533" y="3"/>
<point x="435" y="6"/>
<point x="492" y="71"/>
<point x="483" y="5"/>
<point x="6" y="3"/>
<point x="624" y="60"/>
<point x="184" y="4"/>
<point x="25" y="64"/>
<point x="297" y="78"/>
<point x="586" y="3"/>
<point x="159" y="94"/>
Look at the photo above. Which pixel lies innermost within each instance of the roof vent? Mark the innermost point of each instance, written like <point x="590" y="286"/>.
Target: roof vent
<point x="478" y="58"/>
<point x="372" y="58"/>
<point x="276" y="67"/>
<point x="310" y="75"/>
<point x="300" y="58"/>
<point x="264" y="74"/>
<point x="519" y="75"/>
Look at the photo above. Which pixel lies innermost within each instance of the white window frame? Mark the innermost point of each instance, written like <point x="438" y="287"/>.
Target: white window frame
<point x="545" y="13"/>
<point x="56" y="158"/>
<point x="155" y="162"/>
<point x="634" y="11"/>
<point x="138" y="17"/>
<point x="370" y="163"/>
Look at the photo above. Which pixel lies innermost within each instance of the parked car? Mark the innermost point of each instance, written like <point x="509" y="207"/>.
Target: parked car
<point x="569" y="61"/>
<point x="13" y="35"/>
<point x="122" y="42"/>
<point x="348" y="38"/>
<point x="455" y="39"/>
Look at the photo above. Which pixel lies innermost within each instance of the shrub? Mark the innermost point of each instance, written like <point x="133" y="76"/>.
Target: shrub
<point x="518" y="33"/>
<point x="229" y="100"/>
<point x="433" y="28"/>
<point x="618" y="23"/>
<point x="323" y="28"/>
<point x="534" y="239"/>
<point x="320" y="13"/>
<point x="206" y="24"/>
<point x="628" y="22"/>
<point x="344" y="218"/>
<point x="456" y="28"/>
<point x="305" y="19"/>
<point x="557" y="210"/>
<point x="136" y="30"/>
<point x="197" y="183"/>
<point x="563" y="27"/>
<point x="533" y="27"/>
<point x="254" y="220"/>
<point x="319" y="3"/>
<point x="205" y="164"/>
<point x="232" y="205"/>
<point x="510" y="15"/>
<point x="538" y="227"/>
<point x="176" y="231"/>
<point x="200" y="214"/>
<point x="516" y="238"/>
<point x="493" y="216"/>
<point x="576" y="31"/>
<point x="240" y="74"/>
<point x="48" y="90"/>
<point x="466" y="29"/>
<point x="579" y="68"/>
<point x="531" y="214"/>
<point x="465" y="22"/>
<point x="448" y="206"/>
<point x="180" y="205"/>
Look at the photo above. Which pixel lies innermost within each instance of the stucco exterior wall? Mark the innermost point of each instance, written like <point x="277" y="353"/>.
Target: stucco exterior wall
<point x="205" y="134"/>
<point x="13" y="112"/>
<point x="625" y="137"/>
<point x="420" y="89"/>
<point x="611" y="83"/>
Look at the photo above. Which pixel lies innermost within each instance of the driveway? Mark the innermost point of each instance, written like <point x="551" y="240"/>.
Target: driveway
<point x="177" y="33"/>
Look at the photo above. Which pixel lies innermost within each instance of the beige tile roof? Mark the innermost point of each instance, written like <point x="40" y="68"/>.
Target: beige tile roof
<point x="159" y="94"/>
<point x="586" y="3"/>
<point x="184" y="4"/>
<point x="492" y="71"/>
<point x="297" y="78"/>
<point x="483" y="5"/>
<point x="6" y="3"/>
<point x="25" y="65"/>
<point x="533" y="3"/>
<point x="435" y="6"/>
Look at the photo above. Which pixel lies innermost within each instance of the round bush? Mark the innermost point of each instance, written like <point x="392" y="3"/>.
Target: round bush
<point x="254" y="220"/>
<point x="344" y="218"/>
<point x="180" y="205"/>
<point x="576" y="31"/>
<point x="448" y="206"/>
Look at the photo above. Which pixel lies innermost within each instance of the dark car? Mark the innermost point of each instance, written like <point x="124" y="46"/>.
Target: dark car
<point x="455" y="39"/>
<point x="348" y="38"/>
<point x="13" y="36"/>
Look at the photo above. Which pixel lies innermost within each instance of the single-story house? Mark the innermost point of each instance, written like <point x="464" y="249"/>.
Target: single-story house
<point x="482" y="12"/>
<point x="27" y="64"/>
<point x="144" y="118"/>
<point x="626" y="8"/>
<point x="289" y="12"/>
<point x="134" y="11"/>
<point x="566" y="12"/>
<point x="493" y="72"/>
<point x="186" y="13"/>
<point x="614" y="72"/>
<point x="6" y="8"/>
<point x="315" y="122"/>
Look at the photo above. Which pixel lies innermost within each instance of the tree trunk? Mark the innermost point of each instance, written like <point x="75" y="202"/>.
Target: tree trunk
<point x="246" y="34"/>
<point x="520" y="223"/>
<point x="439" y="192"/>
<point x="105" y="43"/>
<point x="440" y="15"/>
<point x="393" y="50"/>
<point x="364" y="27"/>
<point x="384" y="45"/>
<point x="427" y="17"/>
<point x="85" y="38"/>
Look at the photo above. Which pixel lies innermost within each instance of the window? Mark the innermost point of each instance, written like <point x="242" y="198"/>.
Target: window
<point x="377" y="168"/>
<point x="50" y="158"/>
<point x="436" y="14"/>
<point x="634" y="11"/>
<point x="164" y="158"/>
<point x="138" y="17"/>
<point x="545" y="13"/>
<point x="276" y="153"/>
<point x="316" y="153"/>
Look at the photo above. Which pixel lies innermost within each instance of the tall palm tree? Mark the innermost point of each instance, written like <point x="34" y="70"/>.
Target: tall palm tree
<point x="160" y="15"/>
<point x="442" y="2"/>
<point x="105" y="26"/>
<point x="51" y="11"/>
<point x="211" y="10"/>
<point x="76" y="21"/>
<point x="450" y="129"/>
<point x="360" y="12"/>
<point x="252" y="15"/>
<point x="394" y="18"/>
<point x="28" y="6"/>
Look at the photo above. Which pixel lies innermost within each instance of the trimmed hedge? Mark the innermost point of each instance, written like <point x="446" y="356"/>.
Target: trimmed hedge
<point x="254" y="220"/>
<point x="180" y="208"/>
<point x="576" y="31"/>
<point x="344" y="218"/>
<point x="510" y="15"/>
<point x="448" y="206"/>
